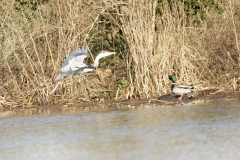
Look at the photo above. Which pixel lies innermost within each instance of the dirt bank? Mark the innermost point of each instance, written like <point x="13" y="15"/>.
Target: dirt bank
<point x="167" y="100"/>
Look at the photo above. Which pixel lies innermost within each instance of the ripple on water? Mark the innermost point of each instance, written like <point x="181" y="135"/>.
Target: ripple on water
<point x="206" y="131"/>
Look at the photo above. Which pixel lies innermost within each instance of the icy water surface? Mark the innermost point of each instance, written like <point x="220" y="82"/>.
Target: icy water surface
<point x="208" y="131"/>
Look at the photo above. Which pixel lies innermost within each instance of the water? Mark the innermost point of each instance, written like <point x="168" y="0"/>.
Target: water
<point x="208" y="131"/>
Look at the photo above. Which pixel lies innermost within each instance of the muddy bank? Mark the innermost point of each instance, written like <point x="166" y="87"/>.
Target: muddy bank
<point x="167" y="100"/>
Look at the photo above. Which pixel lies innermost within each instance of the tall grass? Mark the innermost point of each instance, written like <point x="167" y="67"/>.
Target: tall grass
<point x="35" y="44"/>
<point x="154" y="39"/>
<point x="169" y="43"/>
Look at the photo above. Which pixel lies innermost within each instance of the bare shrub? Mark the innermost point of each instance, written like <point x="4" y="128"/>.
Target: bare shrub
<point x="36" y="42"/>
<point x="154" y="38"/>
<point x="206" y="55"/>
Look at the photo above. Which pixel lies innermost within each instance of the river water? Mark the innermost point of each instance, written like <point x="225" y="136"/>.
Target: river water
<point x="205" y="131"/>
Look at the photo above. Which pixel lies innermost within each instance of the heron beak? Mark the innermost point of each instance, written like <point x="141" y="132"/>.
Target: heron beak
<point x="112" y="52"/>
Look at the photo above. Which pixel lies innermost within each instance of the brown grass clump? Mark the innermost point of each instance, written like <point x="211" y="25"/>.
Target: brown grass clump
<point x="163" y="44"/>
<point x="35" y="44"/>
<point x="154" y="39"/>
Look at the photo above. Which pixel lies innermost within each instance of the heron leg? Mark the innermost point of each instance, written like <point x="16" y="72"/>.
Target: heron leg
<point x="55" y="88"/>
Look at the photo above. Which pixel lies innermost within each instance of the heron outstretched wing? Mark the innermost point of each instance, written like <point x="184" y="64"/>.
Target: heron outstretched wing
<point x="73" y="64"/>
<point x="75" y="60"/>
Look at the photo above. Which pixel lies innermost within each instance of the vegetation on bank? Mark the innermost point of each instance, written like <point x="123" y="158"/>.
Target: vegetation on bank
<point x="197" y="41"/>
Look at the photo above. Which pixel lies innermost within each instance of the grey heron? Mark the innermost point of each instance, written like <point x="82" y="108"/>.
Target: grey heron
<point x="74" y="65"/>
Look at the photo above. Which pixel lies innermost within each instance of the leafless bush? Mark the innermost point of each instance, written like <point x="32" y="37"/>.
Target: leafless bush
<point x="165" y="44"/>
<point x="35" y="43"/>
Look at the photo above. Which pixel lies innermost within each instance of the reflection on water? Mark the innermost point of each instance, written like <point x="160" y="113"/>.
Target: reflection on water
<point x="207" y="131"/>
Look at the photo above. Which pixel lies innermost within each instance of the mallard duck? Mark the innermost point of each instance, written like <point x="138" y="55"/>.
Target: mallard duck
<point x="180" y="89"/>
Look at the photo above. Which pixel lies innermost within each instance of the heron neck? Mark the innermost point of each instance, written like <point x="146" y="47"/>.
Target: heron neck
<point x="96" y="62"/>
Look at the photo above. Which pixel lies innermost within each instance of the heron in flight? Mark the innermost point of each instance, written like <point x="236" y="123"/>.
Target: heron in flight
<point x="74" y="65"/>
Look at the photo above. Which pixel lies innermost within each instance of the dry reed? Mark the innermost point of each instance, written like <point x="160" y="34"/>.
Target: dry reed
<point x="161" y="45"/>
<point x="35" y="43"/>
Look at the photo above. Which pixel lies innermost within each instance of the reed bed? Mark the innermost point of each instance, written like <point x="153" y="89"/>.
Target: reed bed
<point x="168" y="43"/>
<point x="154" y="39"/>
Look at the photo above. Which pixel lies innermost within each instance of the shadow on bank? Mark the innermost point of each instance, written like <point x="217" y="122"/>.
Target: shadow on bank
<point x="167" y="100"/>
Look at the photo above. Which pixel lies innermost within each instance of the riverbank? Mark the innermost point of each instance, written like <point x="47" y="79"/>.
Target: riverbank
<point x="163" y="101"/>
<point x="197" y="42"/>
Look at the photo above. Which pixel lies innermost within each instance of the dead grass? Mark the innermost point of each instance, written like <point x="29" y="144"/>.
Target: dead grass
<point x="35" y="43"/>
<point x="206" y="56"/>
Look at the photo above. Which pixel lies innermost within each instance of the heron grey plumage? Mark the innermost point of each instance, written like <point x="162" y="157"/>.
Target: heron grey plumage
<point x="74" y="65"/>
<point x="75" y="60"/>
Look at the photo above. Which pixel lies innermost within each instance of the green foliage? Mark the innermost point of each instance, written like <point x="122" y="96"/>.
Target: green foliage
<point x="106" y="35"/>
<point x="195" y="11"/>
<point x="32" y="4"/>
<point x="198" y="10"/>
<point x="122" y="84"/>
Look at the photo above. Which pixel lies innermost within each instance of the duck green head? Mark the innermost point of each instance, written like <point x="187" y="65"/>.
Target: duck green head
<point x="172" y="78"/>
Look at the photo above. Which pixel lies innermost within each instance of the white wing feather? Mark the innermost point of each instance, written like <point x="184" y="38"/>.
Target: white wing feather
<point x="75" y="60"/>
